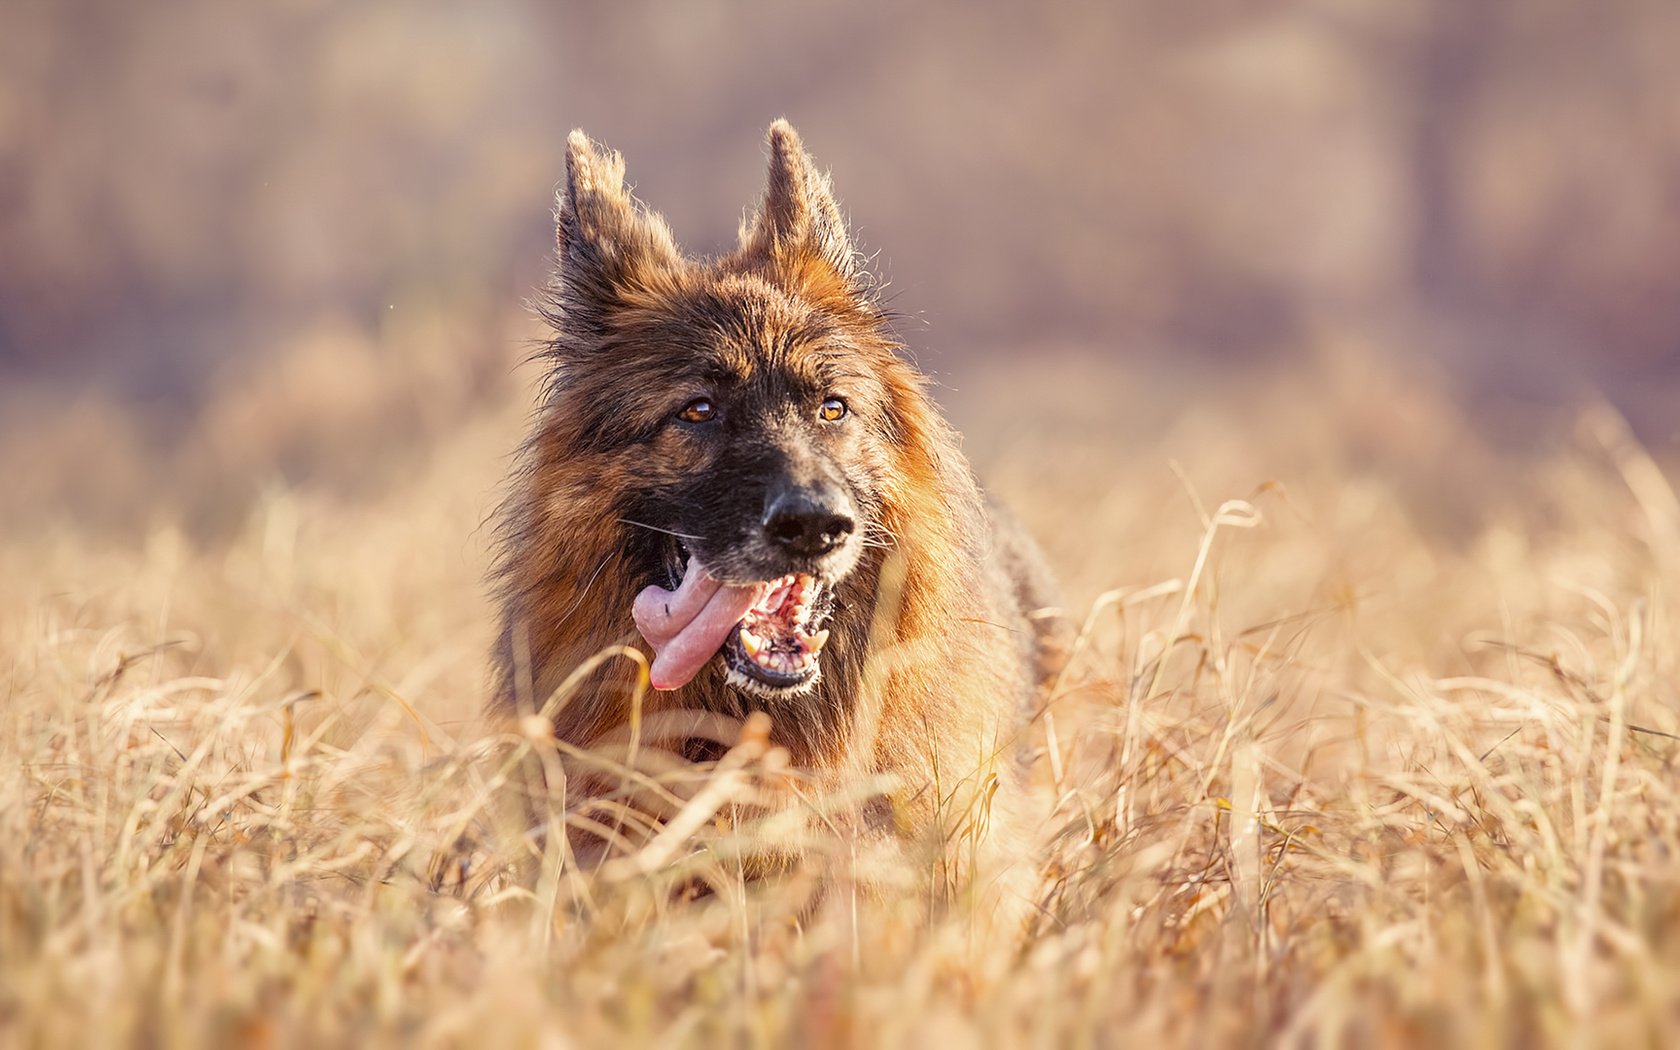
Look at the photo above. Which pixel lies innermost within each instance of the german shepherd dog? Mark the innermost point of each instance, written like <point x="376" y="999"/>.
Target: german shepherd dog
<point x="734" y="470"/>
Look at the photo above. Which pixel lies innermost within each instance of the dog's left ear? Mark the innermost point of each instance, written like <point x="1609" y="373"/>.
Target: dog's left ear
<point x="799" y="232"/>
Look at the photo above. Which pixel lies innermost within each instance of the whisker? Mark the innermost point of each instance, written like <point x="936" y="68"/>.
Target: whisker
<point x="584" y="593"/>
<point x="875" y="535"/>
<point x="656" y="528"/>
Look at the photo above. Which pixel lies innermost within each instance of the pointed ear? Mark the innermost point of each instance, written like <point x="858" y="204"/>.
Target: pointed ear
<point x="610" y="247"/>
<point x="799" y="225"/>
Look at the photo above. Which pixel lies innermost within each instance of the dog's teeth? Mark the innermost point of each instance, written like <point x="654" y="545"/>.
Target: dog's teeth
<point x="814" y="644"/>
<point x="752" y="643"/>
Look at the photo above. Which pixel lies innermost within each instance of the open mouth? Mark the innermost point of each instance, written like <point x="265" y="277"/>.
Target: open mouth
<point x="778" y="642"/>
<point x="776" y="646"/>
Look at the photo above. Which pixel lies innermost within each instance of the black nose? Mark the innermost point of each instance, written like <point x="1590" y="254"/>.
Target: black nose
<point x="808" y="523"/>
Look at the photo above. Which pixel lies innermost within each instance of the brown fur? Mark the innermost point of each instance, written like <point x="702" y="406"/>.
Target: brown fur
<point x="944" y="702"/>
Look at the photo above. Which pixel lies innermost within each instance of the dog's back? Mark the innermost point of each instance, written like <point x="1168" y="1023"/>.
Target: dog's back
<point x="1021" y="577"/>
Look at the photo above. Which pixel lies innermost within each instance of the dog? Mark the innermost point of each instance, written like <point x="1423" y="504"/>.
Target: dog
<point x="734" y="471"/>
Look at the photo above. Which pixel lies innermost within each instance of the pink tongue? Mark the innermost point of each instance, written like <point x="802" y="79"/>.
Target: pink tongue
<point x="687" y="626"/>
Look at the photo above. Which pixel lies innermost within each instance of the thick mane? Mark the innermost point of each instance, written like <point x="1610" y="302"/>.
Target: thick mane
<point x="566" y="583"/>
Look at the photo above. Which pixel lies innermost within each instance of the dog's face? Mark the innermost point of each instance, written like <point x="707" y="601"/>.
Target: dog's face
<point x="743" y="407"/>
<point x="769" y="445"/>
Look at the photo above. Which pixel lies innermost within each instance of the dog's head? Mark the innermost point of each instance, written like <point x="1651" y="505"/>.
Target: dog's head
<point x="747" y="411"/>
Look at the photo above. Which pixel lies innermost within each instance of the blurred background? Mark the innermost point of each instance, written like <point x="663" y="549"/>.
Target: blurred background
<point x="289" y="244"/>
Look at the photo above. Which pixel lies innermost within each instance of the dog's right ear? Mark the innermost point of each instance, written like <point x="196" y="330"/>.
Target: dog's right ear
<point x="612" y="250"/>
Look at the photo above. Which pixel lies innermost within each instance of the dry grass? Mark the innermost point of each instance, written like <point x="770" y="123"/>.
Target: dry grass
<point x="1378" y="753"/>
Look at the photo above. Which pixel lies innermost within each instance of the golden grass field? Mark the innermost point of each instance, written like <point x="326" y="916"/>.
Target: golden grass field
<point x="1369" y="741"/>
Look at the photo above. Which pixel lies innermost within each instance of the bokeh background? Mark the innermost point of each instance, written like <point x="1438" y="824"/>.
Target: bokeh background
<point x="1331" y="349"/>
<point x="288" y="244"/>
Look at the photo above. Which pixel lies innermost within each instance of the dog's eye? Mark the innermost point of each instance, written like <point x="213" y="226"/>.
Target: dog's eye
<point x="699" y="410"/>
<point x="833" y="410"/>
